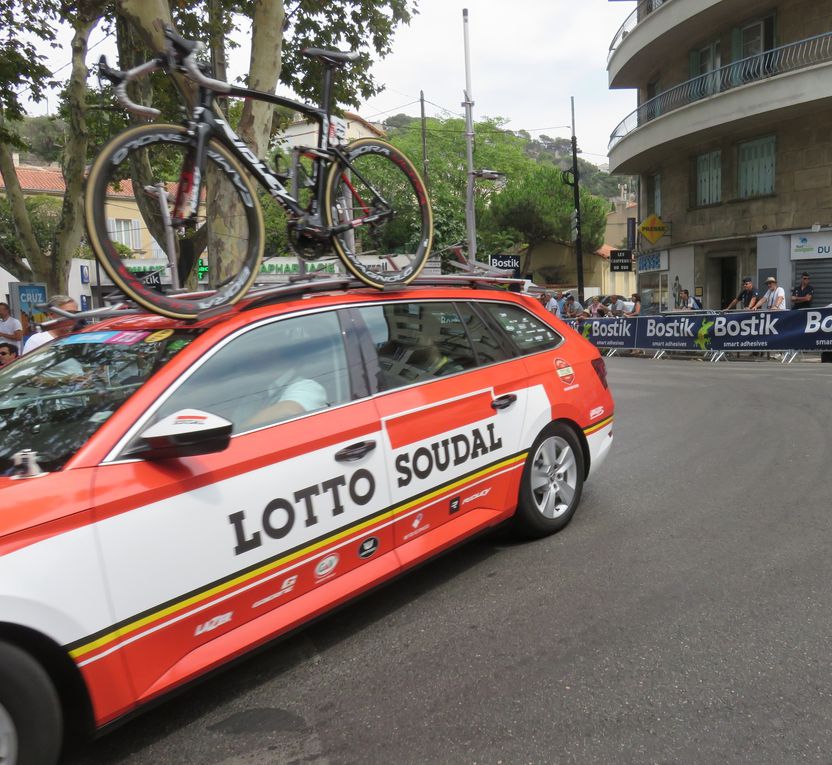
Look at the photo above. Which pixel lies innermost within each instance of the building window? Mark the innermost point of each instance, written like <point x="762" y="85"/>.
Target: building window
<point x="125" y="231"/>
<point x="756" y="167"/>
<point x="654" y="193"/>
<point x="709" y="178"/>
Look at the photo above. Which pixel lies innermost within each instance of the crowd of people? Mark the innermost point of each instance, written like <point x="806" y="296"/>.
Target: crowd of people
<point x="13" y="344"/>
<point x="565" y="306"/>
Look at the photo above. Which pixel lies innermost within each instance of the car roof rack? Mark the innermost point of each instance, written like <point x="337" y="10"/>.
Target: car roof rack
<point x="309" y="285"/>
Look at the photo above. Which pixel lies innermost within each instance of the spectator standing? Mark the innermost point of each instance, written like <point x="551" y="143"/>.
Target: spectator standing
<point x="595" y="308"/>
<point x="552" y="306"/>
<point x="747" y="297"/>
<point x="11" y="330"/>
<point x="689" y="303"/>
<point x="804" y="292"/>
<point x="774" y="298"/>
<point x="573" y="309"/>
<point x="59" y="329"/>
<point x="636" y="305"/>
<point x="616" y="306"/>
<point x="8" y="353"/>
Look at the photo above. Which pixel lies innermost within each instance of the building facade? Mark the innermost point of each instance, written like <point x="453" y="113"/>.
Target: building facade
<point x="731" y="140"/>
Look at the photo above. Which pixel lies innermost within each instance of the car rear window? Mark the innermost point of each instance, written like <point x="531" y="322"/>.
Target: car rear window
<point x="527" y="332"/>
<point x="53" y="399"/>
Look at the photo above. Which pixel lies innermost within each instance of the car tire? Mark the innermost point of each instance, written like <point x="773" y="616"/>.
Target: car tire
<point x="30" y="712"/>
<point x="552" y="482"/>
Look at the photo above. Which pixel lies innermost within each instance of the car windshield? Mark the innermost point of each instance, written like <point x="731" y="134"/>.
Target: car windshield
<point x="53" y="399"/>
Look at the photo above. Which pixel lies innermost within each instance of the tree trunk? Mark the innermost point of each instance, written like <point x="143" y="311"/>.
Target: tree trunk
<point x="22" y="224"/>
<point x="71" y="227"/>
<point x="254" y="128"/>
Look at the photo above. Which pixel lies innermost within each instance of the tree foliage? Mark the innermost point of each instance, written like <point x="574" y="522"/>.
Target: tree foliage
<point x="531" y="205"/>
<point x="91" y="116"/>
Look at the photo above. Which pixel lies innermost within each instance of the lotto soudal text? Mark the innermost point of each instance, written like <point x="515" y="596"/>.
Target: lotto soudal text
<point x="440" y="455"/>
<point x="306" y="505"/>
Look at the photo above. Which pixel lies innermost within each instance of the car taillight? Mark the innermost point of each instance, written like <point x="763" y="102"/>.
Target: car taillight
<point x="601" y="370"/>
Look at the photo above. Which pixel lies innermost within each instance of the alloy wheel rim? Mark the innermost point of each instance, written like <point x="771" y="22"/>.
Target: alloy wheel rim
<point x="8" y="738"/>
<point x="554" y="477"/>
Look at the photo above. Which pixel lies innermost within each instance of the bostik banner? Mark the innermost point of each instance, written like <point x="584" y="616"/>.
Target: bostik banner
<point x="613" y="332"/>
<point x="802" y="330"/>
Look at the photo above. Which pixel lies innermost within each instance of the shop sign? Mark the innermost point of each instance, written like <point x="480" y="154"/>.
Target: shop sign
<point x="653" y="261"/>
<point x="811" y="246"/>
<point x="653" y="228"/>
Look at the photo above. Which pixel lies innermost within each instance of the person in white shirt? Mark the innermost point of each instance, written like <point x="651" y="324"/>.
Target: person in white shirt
<point x="774" y="298"/>
<point x="65" y="303"/>
<point x="553" y="306"/>
<point x="10" y="328"/>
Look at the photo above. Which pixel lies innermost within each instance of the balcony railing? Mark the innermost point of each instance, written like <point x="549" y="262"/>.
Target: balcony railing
<point x="643" y="9"/>
<point x="787" y="58"/>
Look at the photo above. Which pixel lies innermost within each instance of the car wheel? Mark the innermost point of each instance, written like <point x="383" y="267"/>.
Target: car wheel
<point x="30" y="712"/>
<point x="552" y="482"/>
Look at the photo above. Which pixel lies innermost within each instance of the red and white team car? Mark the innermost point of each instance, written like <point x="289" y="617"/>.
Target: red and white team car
<point x="175" y="494"/>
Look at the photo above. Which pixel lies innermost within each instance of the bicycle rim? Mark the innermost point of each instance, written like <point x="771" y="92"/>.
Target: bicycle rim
<point x="139" y="179"/>
<point x="380" y="180"/>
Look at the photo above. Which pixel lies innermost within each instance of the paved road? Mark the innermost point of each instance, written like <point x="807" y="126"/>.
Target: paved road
<point x="684" y="616"/>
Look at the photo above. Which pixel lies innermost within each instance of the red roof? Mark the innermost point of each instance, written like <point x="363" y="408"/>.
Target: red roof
<point x="51" y="180"/>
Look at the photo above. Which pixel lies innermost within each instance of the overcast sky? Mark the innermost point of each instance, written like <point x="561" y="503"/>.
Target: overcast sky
<point x="527" y="58"/>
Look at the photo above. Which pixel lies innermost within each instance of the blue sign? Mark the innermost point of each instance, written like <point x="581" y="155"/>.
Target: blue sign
<point x="803" y="330"/>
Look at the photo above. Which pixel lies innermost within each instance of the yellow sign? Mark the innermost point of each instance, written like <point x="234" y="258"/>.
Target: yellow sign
<point x="653" y="229"/>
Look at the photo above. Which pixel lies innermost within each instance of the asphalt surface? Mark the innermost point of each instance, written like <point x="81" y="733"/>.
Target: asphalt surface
<point x="684" y="616"/>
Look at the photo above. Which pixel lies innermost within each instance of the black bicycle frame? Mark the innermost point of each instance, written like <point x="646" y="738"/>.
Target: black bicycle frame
<point x="207" y="124"/>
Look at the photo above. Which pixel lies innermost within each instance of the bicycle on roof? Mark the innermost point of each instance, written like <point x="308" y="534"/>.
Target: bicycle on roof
<point x="193" y="186"/>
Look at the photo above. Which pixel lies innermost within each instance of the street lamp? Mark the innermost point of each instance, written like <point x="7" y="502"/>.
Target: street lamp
<point x="489" y="175"/>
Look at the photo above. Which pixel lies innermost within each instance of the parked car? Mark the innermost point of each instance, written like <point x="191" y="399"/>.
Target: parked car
<point x="176" y="494"/>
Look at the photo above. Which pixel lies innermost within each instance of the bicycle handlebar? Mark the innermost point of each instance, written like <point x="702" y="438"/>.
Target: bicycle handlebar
<point x="180" y="54"/>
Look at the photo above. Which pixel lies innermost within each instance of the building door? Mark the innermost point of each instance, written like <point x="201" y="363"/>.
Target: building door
<point x="729" y="280"/>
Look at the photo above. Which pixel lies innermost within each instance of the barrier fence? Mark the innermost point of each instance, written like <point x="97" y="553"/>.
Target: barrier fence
<point x="715" y="333"/>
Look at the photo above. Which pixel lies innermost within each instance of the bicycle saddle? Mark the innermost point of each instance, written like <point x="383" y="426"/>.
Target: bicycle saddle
<point x="331" y="57"/>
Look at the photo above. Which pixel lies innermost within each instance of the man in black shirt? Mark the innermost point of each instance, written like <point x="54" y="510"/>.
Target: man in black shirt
<point x="804" y="292"/>
<point x="746" y="298"/>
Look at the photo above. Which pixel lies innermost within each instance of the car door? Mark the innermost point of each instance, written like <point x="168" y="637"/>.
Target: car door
<point x="208" y="555"/>
<point x="452" y="403"/>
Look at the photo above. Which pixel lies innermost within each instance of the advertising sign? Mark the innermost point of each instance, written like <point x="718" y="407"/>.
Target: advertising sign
<point x="811" y="246"/>
<point x="506" y="262"/>
<point x="732" y="331"/>
<point x="23" y="298"/>
<point x="653" y="228"/>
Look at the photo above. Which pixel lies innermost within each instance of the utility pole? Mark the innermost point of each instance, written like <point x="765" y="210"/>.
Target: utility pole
<point x="424" y="139"/>
<point x="468" y="103"/>
<point x="579" y="254"/>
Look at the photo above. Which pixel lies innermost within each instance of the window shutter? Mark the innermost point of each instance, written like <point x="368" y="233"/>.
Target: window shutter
<point x="693" y="59"/>
<point x="716" y="177"/>
<point x="135" y="228"/>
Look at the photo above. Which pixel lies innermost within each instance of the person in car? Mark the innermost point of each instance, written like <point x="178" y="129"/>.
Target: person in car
<point x="58" y="329"/>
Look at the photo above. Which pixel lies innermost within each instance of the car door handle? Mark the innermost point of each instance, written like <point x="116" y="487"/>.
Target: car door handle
<point x="503" y="402"/>
<point x="355" y="451"/>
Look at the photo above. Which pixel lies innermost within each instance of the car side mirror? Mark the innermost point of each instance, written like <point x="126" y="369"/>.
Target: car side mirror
<point x="185" y="433"/>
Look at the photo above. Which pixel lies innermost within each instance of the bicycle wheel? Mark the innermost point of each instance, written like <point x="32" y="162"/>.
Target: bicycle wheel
<point x="134" y="186"/>
<point x="379" y="185"/>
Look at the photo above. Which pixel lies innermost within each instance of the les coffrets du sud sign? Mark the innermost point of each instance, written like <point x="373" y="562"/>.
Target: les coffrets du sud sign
<point x="803" y="330"/>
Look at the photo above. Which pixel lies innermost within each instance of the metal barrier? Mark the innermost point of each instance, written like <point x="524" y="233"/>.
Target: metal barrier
<point x="715" y="335"/>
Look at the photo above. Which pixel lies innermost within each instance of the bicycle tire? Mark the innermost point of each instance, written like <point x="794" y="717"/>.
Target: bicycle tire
<point x="376" y="168"/>
<point x="231" y="234"/>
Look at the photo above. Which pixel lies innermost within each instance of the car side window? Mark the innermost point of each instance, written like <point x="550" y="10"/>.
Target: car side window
<point x="486" y="346"/>
<point x="527" y="332"/>
<point x="417" y="341"/>
<point x="270" y="373"/>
